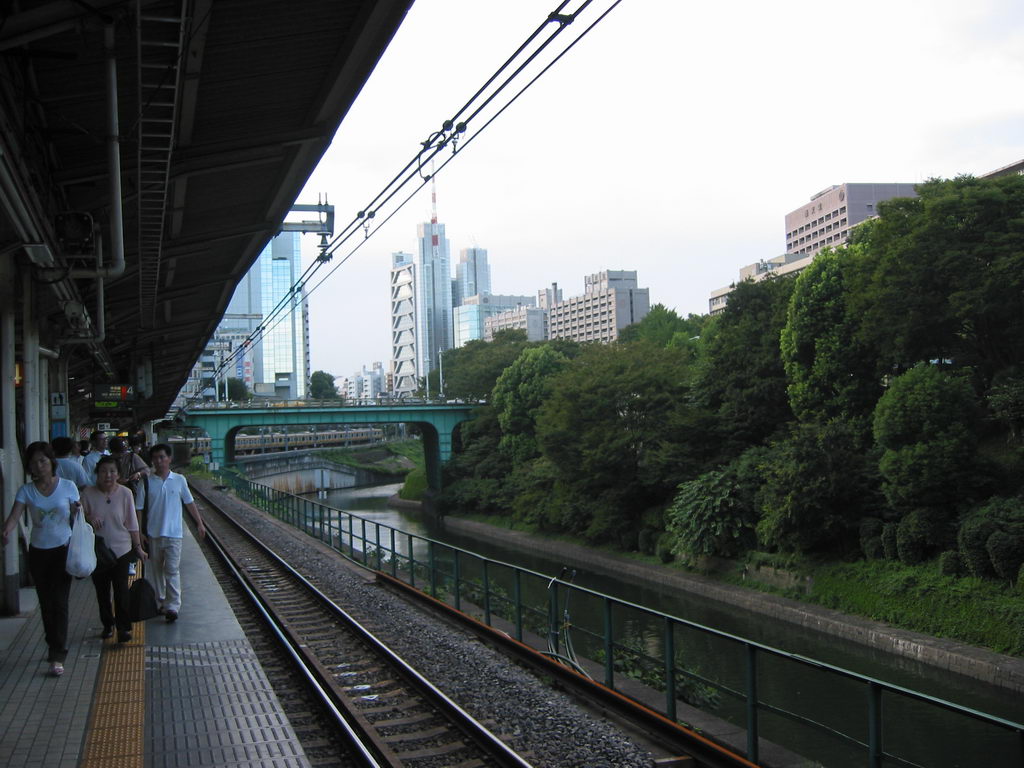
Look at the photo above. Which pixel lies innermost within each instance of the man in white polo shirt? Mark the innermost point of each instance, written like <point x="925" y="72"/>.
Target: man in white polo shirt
<point x="164" y="528"/>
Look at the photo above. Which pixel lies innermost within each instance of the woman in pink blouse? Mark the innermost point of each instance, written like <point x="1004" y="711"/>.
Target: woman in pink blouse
<point x="111" y="509"/>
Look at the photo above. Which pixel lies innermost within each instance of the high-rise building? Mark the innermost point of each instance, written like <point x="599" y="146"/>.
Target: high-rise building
<point x="610" y="302"/>
<point x="468" y="319"/>
<point x="472" y="273"/>
<point x="403" y="325"/>
<point x="280" y="358"/>
<point x="277" y="363"/>
<point x="827" y="219"/>
<point x="548" y="297"/>
<point x="433" y="296"/>
<point x="824" y="222"/>
<point x="365" y="384"/>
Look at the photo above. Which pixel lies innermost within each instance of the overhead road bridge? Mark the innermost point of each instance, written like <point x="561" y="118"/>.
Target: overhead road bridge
<point x="436" y="420"/>
<point x="149" y="151"/>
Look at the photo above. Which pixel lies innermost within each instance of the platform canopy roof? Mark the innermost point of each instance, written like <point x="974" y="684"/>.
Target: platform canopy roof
<point x="224" y="109"/>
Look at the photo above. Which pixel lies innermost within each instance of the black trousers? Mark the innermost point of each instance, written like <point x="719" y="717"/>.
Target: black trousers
<point x="114" y="579"/>
<point x="53" y="585"/>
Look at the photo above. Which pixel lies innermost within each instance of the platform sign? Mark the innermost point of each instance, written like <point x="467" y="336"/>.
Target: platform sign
<point x="113" y="393"/>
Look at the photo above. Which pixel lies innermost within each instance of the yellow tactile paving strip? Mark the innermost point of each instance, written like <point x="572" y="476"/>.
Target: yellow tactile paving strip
<point x="115" y="734"/>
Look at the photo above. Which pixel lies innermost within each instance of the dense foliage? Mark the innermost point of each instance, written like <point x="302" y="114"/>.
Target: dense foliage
<point x="321" y="386"/>
<point x="871" y="406"/>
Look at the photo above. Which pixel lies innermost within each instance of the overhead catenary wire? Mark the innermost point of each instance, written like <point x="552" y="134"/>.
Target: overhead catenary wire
<point x="454" y="133"/>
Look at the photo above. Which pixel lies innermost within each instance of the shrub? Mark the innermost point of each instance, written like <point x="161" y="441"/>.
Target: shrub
<point x="871" y="538"/>
<point x="710" y="517"/>
<point x="950" y="563"/>
<point x="1006" y="551"/>
<point x="663" y="549"/>
<point x="913" y="537"/>
<point x="873" y="548"/>
<point x="924" y="424"/>
<point x="1020" y="579"/>
<point x="647" y="540"/>
<point x="415" y="485"/>
<point x="889" y="541"/>
<point x="971" y="538"/>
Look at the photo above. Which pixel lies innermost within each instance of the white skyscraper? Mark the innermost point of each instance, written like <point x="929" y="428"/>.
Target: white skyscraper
<point x="403" y="324"/>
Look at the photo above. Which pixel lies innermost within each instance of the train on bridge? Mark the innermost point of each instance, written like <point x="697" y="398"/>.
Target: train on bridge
<point x="269" y="442"/>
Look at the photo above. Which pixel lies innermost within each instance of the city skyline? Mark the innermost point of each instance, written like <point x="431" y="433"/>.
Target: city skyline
<point x="675" y="148"/>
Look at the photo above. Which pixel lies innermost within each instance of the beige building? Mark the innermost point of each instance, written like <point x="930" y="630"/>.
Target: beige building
<point x="533" y="320"/>
<point x="827" y="219"/>
<point x="824" y="222"/>
<point x="611" y="301"/>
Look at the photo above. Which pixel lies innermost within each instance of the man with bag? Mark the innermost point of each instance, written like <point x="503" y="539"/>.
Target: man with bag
<point x="163" y="527"/>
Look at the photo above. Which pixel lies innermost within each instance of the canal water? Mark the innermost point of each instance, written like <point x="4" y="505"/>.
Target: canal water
<point x="930" y="737"/>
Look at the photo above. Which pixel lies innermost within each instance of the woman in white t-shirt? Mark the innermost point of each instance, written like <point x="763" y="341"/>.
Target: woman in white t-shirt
<point x="52" y="504"/>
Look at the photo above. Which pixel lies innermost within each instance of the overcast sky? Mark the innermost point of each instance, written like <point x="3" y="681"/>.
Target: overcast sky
<point x="672" y="139"/>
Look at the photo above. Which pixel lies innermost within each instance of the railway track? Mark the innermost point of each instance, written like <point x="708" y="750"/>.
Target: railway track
<point x="373" y="709"/>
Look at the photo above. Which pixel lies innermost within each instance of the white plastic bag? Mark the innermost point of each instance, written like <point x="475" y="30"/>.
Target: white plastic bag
<point x="81" y="560"/>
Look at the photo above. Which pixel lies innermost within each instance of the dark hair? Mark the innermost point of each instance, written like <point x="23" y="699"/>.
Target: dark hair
<point x="107" y="460"/>
<point x="162" y="447"/>
<point x="116" y="445"/>
<point x="83" y="446"/>
<point x="43" y="447"/>
<point x="61" y="445"/>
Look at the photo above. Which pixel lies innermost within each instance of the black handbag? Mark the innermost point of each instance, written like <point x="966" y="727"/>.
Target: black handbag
<point x="105" y="557"/>
<point x="142" y="601"/>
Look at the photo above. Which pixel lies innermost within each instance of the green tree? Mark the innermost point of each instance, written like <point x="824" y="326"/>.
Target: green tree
<point x="662" y="327"/>
<point x="716" y="513"/>
<point x="831" y="373"/>
<point x="321" y="386"/>
<point x="925" y="426"/>
<point x="741" y="376"/>
<point x="519" y="393"/>
<point x="237" y="390"/>
<point x="612" y="428"/>
<point x="475" y="478"/>
<point x="947" y="277"/>
<point x="818" y="483"/>
<point x="471" y="370"/>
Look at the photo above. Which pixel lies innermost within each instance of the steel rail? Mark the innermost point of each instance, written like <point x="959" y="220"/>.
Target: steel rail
<point x="356" y="736"/>
<point x="500" y="752"/>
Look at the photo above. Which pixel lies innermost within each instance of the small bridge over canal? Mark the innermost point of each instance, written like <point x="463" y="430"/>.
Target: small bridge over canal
<point x="437" y="421"/>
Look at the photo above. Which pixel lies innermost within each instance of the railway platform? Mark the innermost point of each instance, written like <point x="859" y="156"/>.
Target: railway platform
<point x="182" y="695"/>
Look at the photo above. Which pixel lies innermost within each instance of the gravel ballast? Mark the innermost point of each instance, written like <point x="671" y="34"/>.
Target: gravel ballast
<point x="544" y="725"/>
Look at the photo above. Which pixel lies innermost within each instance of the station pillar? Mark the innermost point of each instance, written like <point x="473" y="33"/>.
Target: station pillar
<point x="11" y="471"/>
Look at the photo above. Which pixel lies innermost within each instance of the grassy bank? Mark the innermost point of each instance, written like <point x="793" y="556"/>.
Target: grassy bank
<point x="396" y="458"/>
<point x="919" y="598"/>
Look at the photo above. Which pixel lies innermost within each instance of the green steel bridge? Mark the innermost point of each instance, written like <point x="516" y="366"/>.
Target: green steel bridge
<point x="436" y="420"/>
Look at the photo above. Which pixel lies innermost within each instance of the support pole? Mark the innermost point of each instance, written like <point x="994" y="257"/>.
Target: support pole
<point x="30" y="361"/>
<point x="11" y="471"/>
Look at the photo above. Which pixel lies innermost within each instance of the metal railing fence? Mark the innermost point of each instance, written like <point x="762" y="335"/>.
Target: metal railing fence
<point x="741" y="681"/>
